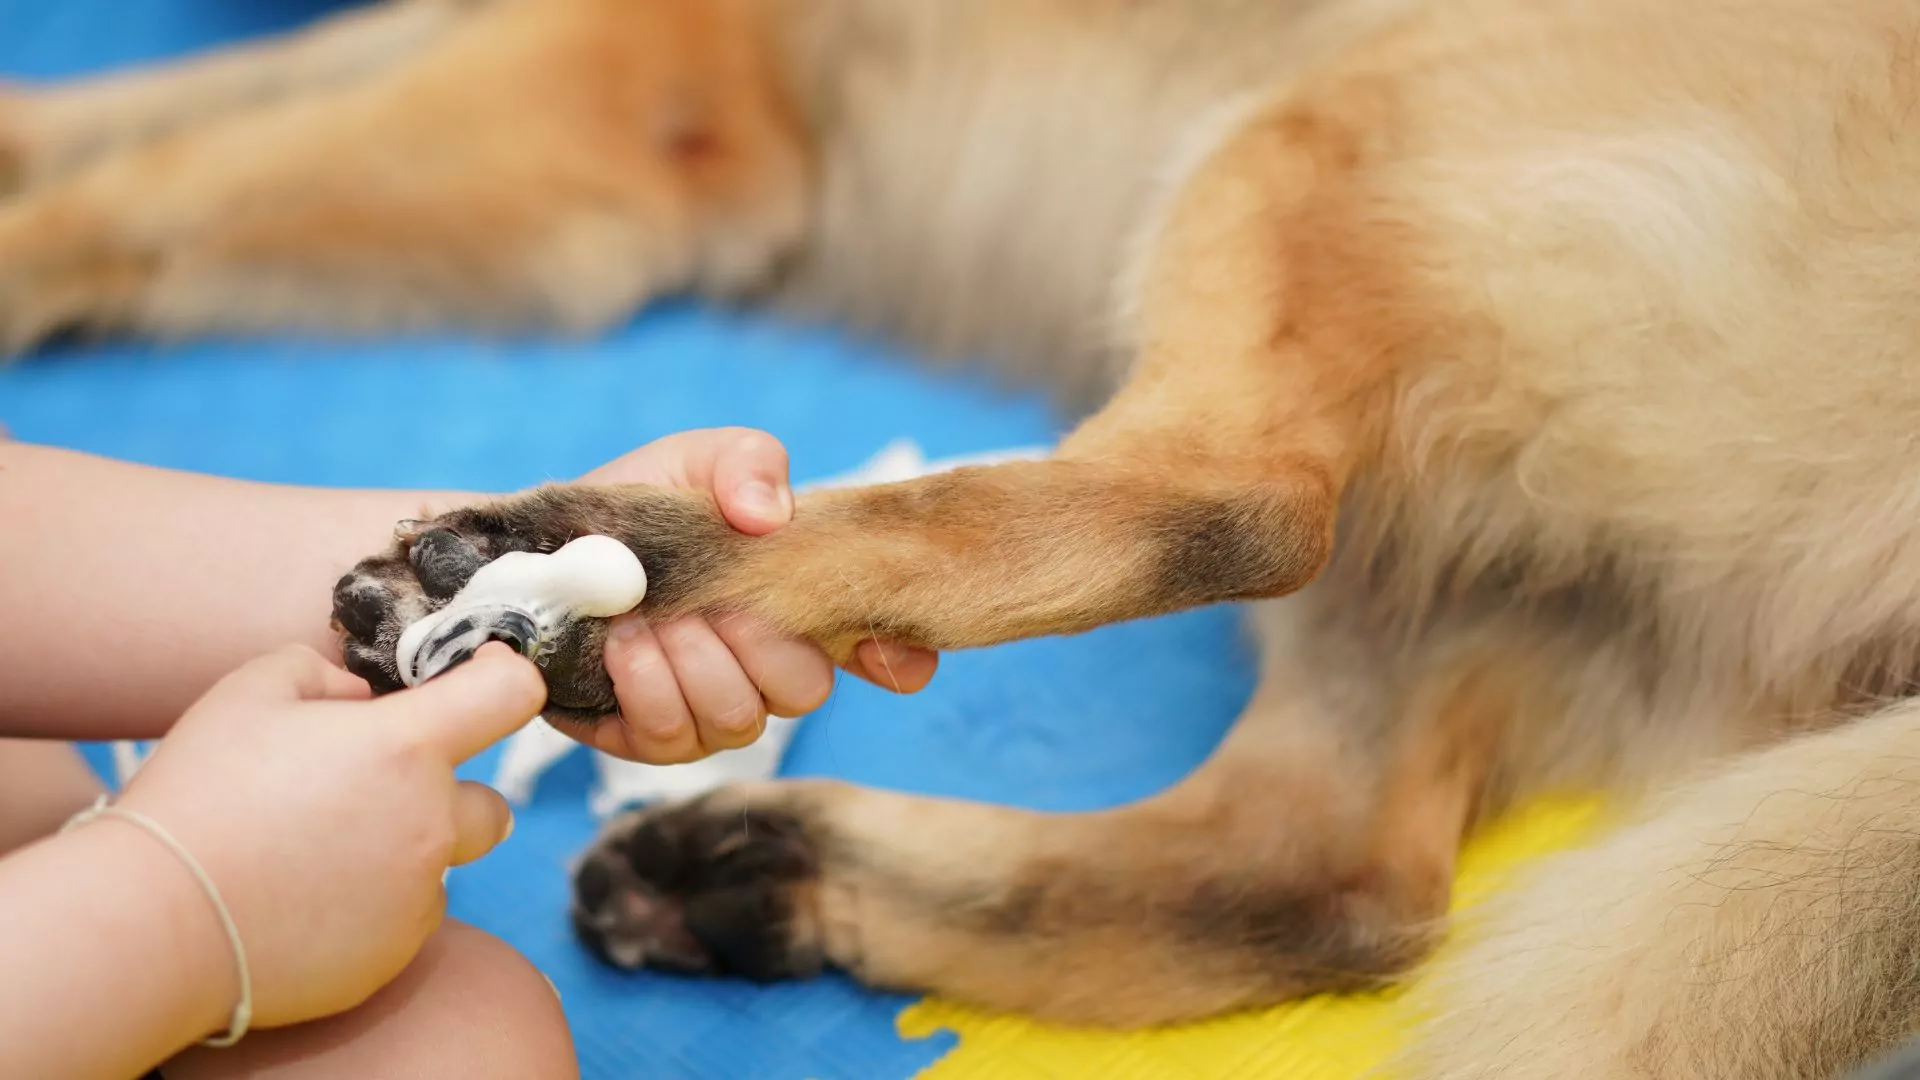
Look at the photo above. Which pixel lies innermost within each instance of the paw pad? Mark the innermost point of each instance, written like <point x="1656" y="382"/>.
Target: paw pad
<point x="690" y="889"/>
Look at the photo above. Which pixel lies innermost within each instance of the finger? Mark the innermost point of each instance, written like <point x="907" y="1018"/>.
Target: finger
<point x="293" y="673"/>
<point x="745" y="470"/>
<point x="655" y="723"/>
<point x="661" y="463"/>
<point x="612" y="737"/>
<point x="750" y="481"/>
<point x="684" y="459"/>
<point x="793" y="677"/>
<point x="474" y="705"/>
<point x="902" y="669"/>
<point x="727" y="708"/>
<point x="481" y="821"/>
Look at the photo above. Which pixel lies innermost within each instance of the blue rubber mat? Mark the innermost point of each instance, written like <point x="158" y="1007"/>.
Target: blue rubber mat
<point x="1089" y="721"/>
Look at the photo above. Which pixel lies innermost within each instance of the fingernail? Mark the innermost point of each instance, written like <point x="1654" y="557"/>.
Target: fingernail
<point x="625" y="628"/>
<point x="510" y="820"/>
<point x="760" y="499"/>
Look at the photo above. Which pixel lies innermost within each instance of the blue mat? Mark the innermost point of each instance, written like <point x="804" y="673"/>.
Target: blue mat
<point x="1090" y="721"/>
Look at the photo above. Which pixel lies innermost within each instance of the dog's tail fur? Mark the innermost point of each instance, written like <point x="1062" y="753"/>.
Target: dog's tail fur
<point x="1763" y="923"/>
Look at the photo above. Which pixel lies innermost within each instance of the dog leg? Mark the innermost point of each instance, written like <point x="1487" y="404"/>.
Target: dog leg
<point x="1314" y="851"/>
<point x="1212" y="476"/>
<point x="52" y="130"/>
<point x="548" y="165"/>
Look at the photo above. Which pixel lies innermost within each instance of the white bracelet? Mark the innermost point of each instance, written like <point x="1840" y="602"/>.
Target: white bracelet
<point x="242" y="1012"/>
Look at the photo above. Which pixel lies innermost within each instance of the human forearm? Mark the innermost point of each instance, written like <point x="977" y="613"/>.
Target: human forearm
<point x="115" y="958"/>
<point x="128" y="590"/>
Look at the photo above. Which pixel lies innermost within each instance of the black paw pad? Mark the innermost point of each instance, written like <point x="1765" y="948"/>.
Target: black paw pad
<point x="693" y="890"/>
<point x="443" y="561"/>
<point x="373" y="665"/>
<point x="360" y="605"/>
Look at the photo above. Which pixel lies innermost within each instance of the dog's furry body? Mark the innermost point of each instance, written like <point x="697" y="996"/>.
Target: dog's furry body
<point x="1590" y="322"/>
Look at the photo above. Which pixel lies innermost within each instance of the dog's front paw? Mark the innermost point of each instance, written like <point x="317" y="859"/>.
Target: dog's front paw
<point x="429" y="564"/>
<point x="680" y="542"/>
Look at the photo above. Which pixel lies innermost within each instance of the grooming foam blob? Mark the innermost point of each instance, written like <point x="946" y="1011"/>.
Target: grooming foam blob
<point x="527" y="600"/>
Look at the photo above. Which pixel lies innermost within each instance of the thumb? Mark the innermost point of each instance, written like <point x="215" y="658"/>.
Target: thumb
<point x="475" y="704"/>
<point x="750" y="481"/>
<point x="481" y="821"/>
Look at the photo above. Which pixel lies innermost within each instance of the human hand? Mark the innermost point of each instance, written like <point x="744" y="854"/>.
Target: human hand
<point x="328" y="820"/>
<point x="689" y="687"/>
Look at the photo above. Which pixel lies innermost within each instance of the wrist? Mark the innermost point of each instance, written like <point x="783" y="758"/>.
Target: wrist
<point x="181" y="938"/>
<point x="103" y="930"/>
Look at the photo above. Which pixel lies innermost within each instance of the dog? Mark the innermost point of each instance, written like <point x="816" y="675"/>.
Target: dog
<point x="1539" y="373"/>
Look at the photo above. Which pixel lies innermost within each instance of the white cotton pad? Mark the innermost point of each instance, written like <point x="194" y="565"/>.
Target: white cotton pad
<point x="525" y="598"/>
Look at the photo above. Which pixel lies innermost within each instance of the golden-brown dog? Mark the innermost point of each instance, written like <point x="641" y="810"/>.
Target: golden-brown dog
<point x="1553" y="359"/>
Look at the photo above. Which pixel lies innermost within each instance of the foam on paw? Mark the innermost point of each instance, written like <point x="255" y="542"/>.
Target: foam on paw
<point x="525" y="599"/>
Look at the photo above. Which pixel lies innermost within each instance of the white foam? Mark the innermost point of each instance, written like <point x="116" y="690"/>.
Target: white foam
<point x="592" y="577"/>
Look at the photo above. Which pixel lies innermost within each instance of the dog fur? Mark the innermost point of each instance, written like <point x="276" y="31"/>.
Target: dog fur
<point x="1539" y="369"/>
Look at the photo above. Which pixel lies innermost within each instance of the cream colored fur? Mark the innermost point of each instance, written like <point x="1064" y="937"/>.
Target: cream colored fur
<point x="1602" y="317"/>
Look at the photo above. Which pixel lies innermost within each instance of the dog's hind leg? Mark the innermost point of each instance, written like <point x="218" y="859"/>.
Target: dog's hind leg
<point x="545" y="165"/>
<point x="50" y="130"/>
<point x="1314" y="851"/>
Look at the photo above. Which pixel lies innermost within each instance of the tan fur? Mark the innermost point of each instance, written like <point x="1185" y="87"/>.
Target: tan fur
<point x="1554" y="357"/>
<point x="1762" y="922"/>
